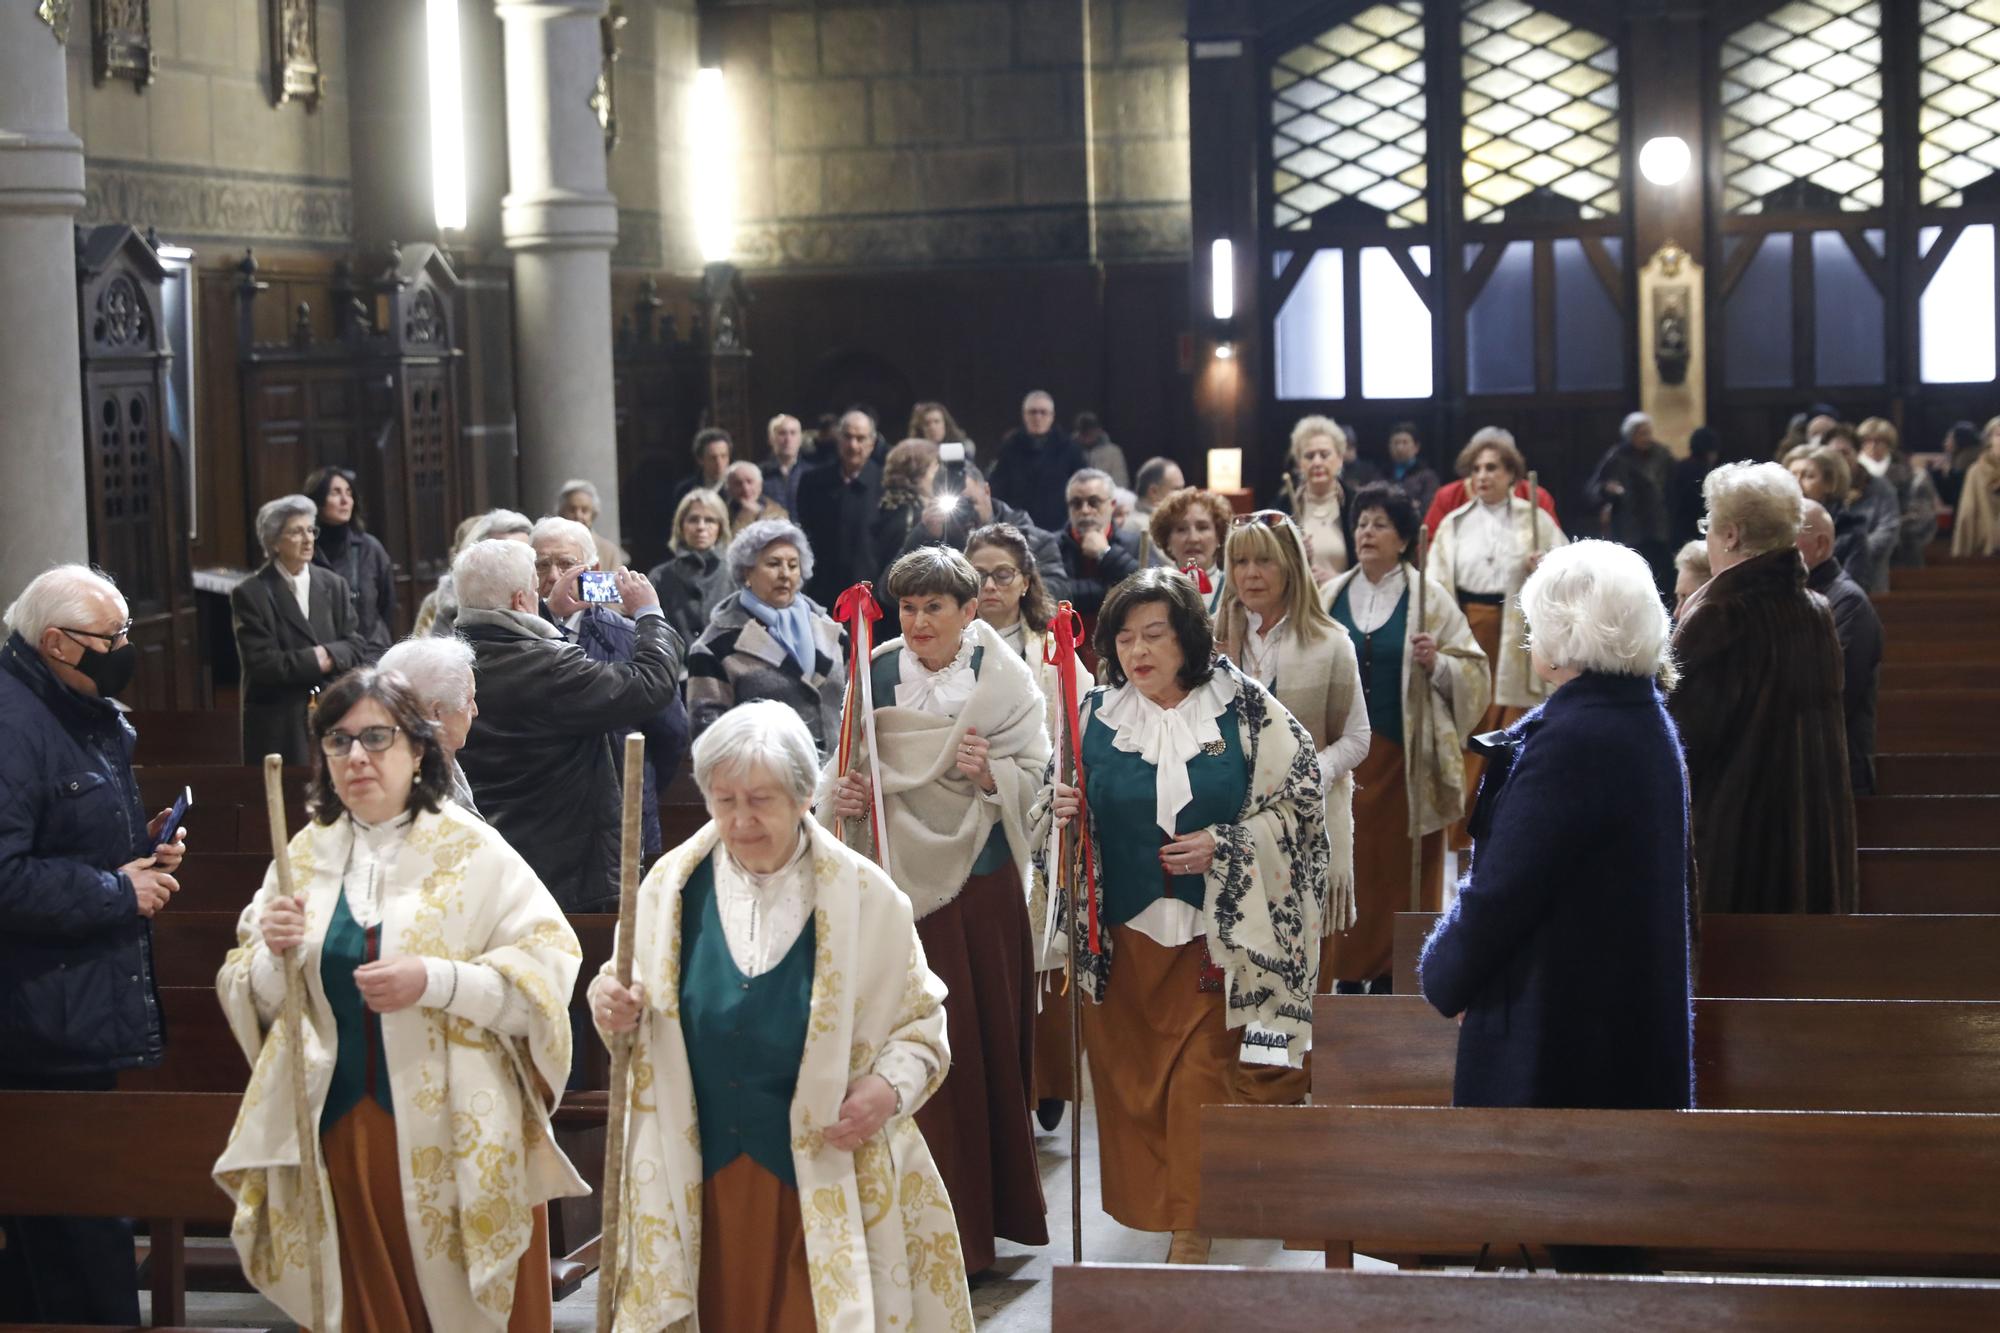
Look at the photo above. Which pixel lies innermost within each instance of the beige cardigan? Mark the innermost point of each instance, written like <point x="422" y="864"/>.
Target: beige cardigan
<point x="1515" y="684"/>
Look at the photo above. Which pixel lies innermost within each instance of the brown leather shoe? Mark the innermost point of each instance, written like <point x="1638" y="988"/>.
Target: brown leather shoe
<point x="1188" y="1247"/>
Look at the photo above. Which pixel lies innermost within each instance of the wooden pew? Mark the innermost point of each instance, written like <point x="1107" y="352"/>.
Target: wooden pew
<point x="1930" y="881"/>
<point x="1964" y="615"/>
<point x="120" y="1154"/>
<point x="1801" y="1189"/>
<point x="210" y="736"/>
<point x="1750" y="1055"/>
<point x="1161" y="1298"/>
<point x="1814" y="957"/>
<point x="1927" y="821"/>
<point x="1947" y="575"/>
<point x="1937" y="774"/>
<point x="1959" y="721"/>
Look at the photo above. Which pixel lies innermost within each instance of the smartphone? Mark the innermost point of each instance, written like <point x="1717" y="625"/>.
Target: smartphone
<point x="175" y="818"/>
<point x="597" y="587"/>
<point x="951" y="469"/>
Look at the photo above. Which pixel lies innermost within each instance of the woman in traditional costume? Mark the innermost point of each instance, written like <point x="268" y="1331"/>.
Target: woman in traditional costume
<point x="1189" y="526"/>
<point x="1273" y="627"/>
<point x="964" y="741"/>
<point x="437" y="972"/>
<point x="1484" y="551"/>
<point x="1015" y="603"/>
<point x="787" y="1029"/>
<point x="1410" y="672"/>
<point x="1315" y="498"/>
<point x="1208" y="824"/>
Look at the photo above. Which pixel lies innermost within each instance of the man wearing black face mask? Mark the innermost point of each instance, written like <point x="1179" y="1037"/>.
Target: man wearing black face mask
<point x="81" y="873"/>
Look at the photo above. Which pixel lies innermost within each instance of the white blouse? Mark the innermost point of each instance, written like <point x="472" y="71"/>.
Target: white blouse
<point x="941" y="693"/>
<point x="301" y="586"/>
<point x="1486" y="558"/>
<point x="1371" y="605"/>
<point x="1262" y="651"/>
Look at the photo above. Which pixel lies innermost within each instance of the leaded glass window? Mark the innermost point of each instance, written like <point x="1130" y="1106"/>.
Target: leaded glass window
<point x="1802" y="109"/>
<point x="1540" y="101"/>
<point x="1347" y="120"/>
<point x="1960" y="123"/>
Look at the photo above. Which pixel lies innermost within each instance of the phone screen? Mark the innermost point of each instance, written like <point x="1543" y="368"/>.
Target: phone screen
<point x="596" y="586"/>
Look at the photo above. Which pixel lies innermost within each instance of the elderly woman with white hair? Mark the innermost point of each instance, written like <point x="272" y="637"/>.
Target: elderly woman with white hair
<point x="768" y="640"/>
<point x="441" y="680"/>
<point x="1565" y="955"/>
<point x="296" y="629"/>
<point x="786" y="1029"/>
<point x="1759" y="710"/>
<point x="1314" y="496"/>
<point x="1633" y="486"/>
<point x="578" y="501"/>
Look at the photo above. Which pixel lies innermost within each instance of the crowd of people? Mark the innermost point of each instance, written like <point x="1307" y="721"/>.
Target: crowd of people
<point x="846" y="986"/>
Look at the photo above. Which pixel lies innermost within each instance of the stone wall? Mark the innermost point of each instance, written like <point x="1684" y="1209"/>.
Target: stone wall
<point x="201" y="153"/>
<point x="922" y="134"/>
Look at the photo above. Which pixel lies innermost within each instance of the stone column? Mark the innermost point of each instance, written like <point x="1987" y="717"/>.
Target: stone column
<point x="561" y="222"/>
<point x="44" y="509"/>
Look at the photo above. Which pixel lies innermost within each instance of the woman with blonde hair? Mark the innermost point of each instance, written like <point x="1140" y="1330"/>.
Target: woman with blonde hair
<point x="1315" y="500"/>
<point x="1273" y="626"/>
<point x="694" y="578"/>
<point x="1881" y="456"/>
<point x="1483" y="552"/>
<point x="1189" y="526"/>
<point x="1975" y="524"/>
<point x="1824" y="475"/>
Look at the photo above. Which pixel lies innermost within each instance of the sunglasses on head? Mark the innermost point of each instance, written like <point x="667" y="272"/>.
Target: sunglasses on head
<point x="1269" y="518"/>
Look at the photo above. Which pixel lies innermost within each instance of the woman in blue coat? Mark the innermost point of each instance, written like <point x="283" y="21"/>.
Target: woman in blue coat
<point x="1565" y="956"/>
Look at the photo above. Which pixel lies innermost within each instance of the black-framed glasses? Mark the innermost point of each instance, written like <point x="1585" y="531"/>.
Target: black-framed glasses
<point x="1006" y="576"/>
<point x="373" y="739"/>
<point x="1270" y="518"/>
<point x="114" y="638"/>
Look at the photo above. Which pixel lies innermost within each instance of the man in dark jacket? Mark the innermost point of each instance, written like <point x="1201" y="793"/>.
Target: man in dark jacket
<point x="784" y="466"/>
<point x="837" y="506"/>
<point x="536" y="756"/>
<point x="1095" y="554"/>
<point x="81" y="871"/>
<point x="1860" y="633"/>
<point x="1036" y="462"/>
<point x="1633" y="481"/>
<point x="975" y="510"/>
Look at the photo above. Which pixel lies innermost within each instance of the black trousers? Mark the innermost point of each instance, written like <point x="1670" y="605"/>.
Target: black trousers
<point x="66" y="1270"/>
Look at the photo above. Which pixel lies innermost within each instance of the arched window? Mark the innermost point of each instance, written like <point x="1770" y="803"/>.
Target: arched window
<point x="1958" y="155"/>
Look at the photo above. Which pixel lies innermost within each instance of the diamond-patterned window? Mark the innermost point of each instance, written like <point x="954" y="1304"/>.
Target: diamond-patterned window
<point x="1960" y="123"/>
<point x="1540" y="103"/>
<point x="1802" y="108"/>
<point x="1347" y="120"/>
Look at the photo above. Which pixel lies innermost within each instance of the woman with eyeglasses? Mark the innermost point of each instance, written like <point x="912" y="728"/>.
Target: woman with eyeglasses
<point x="1314" y="497"/>
<point x="1483" y="552"/>
<point x="1410" y="670"/>
<point x="296" y="629"/>
<point x="1273" y="627"/>
<point x="437" y="971"/>
<point x="1014" y="602"/>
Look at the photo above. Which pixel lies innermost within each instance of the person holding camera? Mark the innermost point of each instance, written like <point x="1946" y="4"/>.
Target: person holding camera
<point x="536" y="755"/>
<point x="975" y="507"/>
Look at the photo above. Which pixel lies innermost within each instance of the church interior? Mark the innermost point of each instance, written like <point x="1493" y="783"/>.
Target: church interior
<point x="482" y="256"/>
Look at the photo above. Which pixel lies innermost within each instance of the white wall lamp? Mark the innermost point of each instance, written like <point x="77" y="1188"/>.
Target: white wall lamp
<point x="1665" y="160"/>
<point x="712" y="159"/>
<point x="447" y="115"/>
<point x="1222" y="295"/>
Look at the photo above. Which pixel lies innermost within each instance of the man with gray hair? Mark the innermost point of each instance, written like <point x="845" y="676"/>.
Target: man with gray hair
<point x="783" y="467"/>
<point x="536" y="756"/>
<point x="1630" y="488"/>
<point x="838" y="501"/>
<point x="578" y="501"/>
<point x="1035" y="464"/>
<point x="1096" y="555"/>
<point x="562" y="553"/>
<point x="81" y="872"/>
<point x="1859" y="630"/>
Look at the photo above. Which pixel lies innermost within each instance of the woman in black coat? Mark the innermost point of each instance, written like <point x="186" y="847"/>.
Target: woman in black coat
<point x="287" y="651"/>
<point x="1565" y="956"/>
<point x="345" y="546"/>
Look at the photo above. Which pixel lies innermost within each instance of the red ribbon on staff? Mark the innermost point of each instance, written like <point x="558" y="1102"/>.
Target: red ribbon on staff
<point x="858" y="611"/>
<point x="1066" y="629"/>
<point x="1200" y="577"/>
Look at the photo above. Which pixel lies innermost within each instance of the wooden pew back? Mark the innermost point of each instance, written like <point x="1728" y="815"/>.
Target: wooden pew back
<point x="1927" y="821"/>
<point x="1912" y="774"/>
<point x="1960" y="721"/>
<point x="1929" y="881"/>
<point x="1761" y="1055"/>
<point x="1813" y="957"/>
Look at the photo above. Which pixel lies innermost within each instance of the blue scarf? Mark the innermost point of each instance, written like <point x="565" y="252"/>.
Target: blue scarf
<point x="791" y="627"/>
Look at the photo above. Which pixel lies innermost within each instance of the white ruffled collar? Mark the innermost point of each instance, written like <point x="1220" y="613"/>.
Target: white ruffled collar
<point x="942" y="692"/>
<point x="1167" y="738"/>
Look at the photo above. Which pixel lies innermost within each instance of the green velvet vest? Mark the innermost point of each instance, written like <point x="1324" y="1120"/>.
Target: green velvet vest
<point x="1381" y="655"/>
<point x="1120" y="788"/>
<point x="360" y="1065"/>
<point x="745" y="1037"/>
<point x="886" y="674"/>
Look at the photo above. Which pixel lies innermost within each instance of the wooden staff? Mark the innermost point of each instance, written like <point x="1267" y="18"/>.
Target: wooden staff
<point x="1413" y="755"/>
<point x="610" y="1260"/>
<point x="1534" y="549"/>
<point x="1074" y="871"/>
<point x="293" y="1016"/>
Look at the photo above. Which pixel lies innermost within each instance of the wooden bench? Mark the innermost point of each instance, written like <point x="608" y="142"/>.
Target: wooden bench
<point x="121" y="1154"/>
<point x="1750" y="1055"/>
<point x="1937" y="774"/>
<point x="1964" y="615"/>
<point x="1947" y="575"/>
<point x="1161" y="1298"/>
<point x="1813" y="957"/>
<point x="1780" y="1190"/>
<point x="1927" y="821"/>
<point x="210" y="736"/>
<point x="1928" y="881"/>
<point x="1959" y="721"/>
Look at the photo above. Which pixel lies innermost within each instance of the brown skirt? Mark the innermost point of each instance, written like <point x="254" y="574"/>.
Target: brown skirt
<point x="1160" y="1050"/>
<point x="977" y="1124"/>
<point x="1485" y="621"/>
<point x="753" y="1253"/>
<point x="378" y="1275"/>
<point x="1053" y="1076"/>
<point x="1382" y="868"/>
